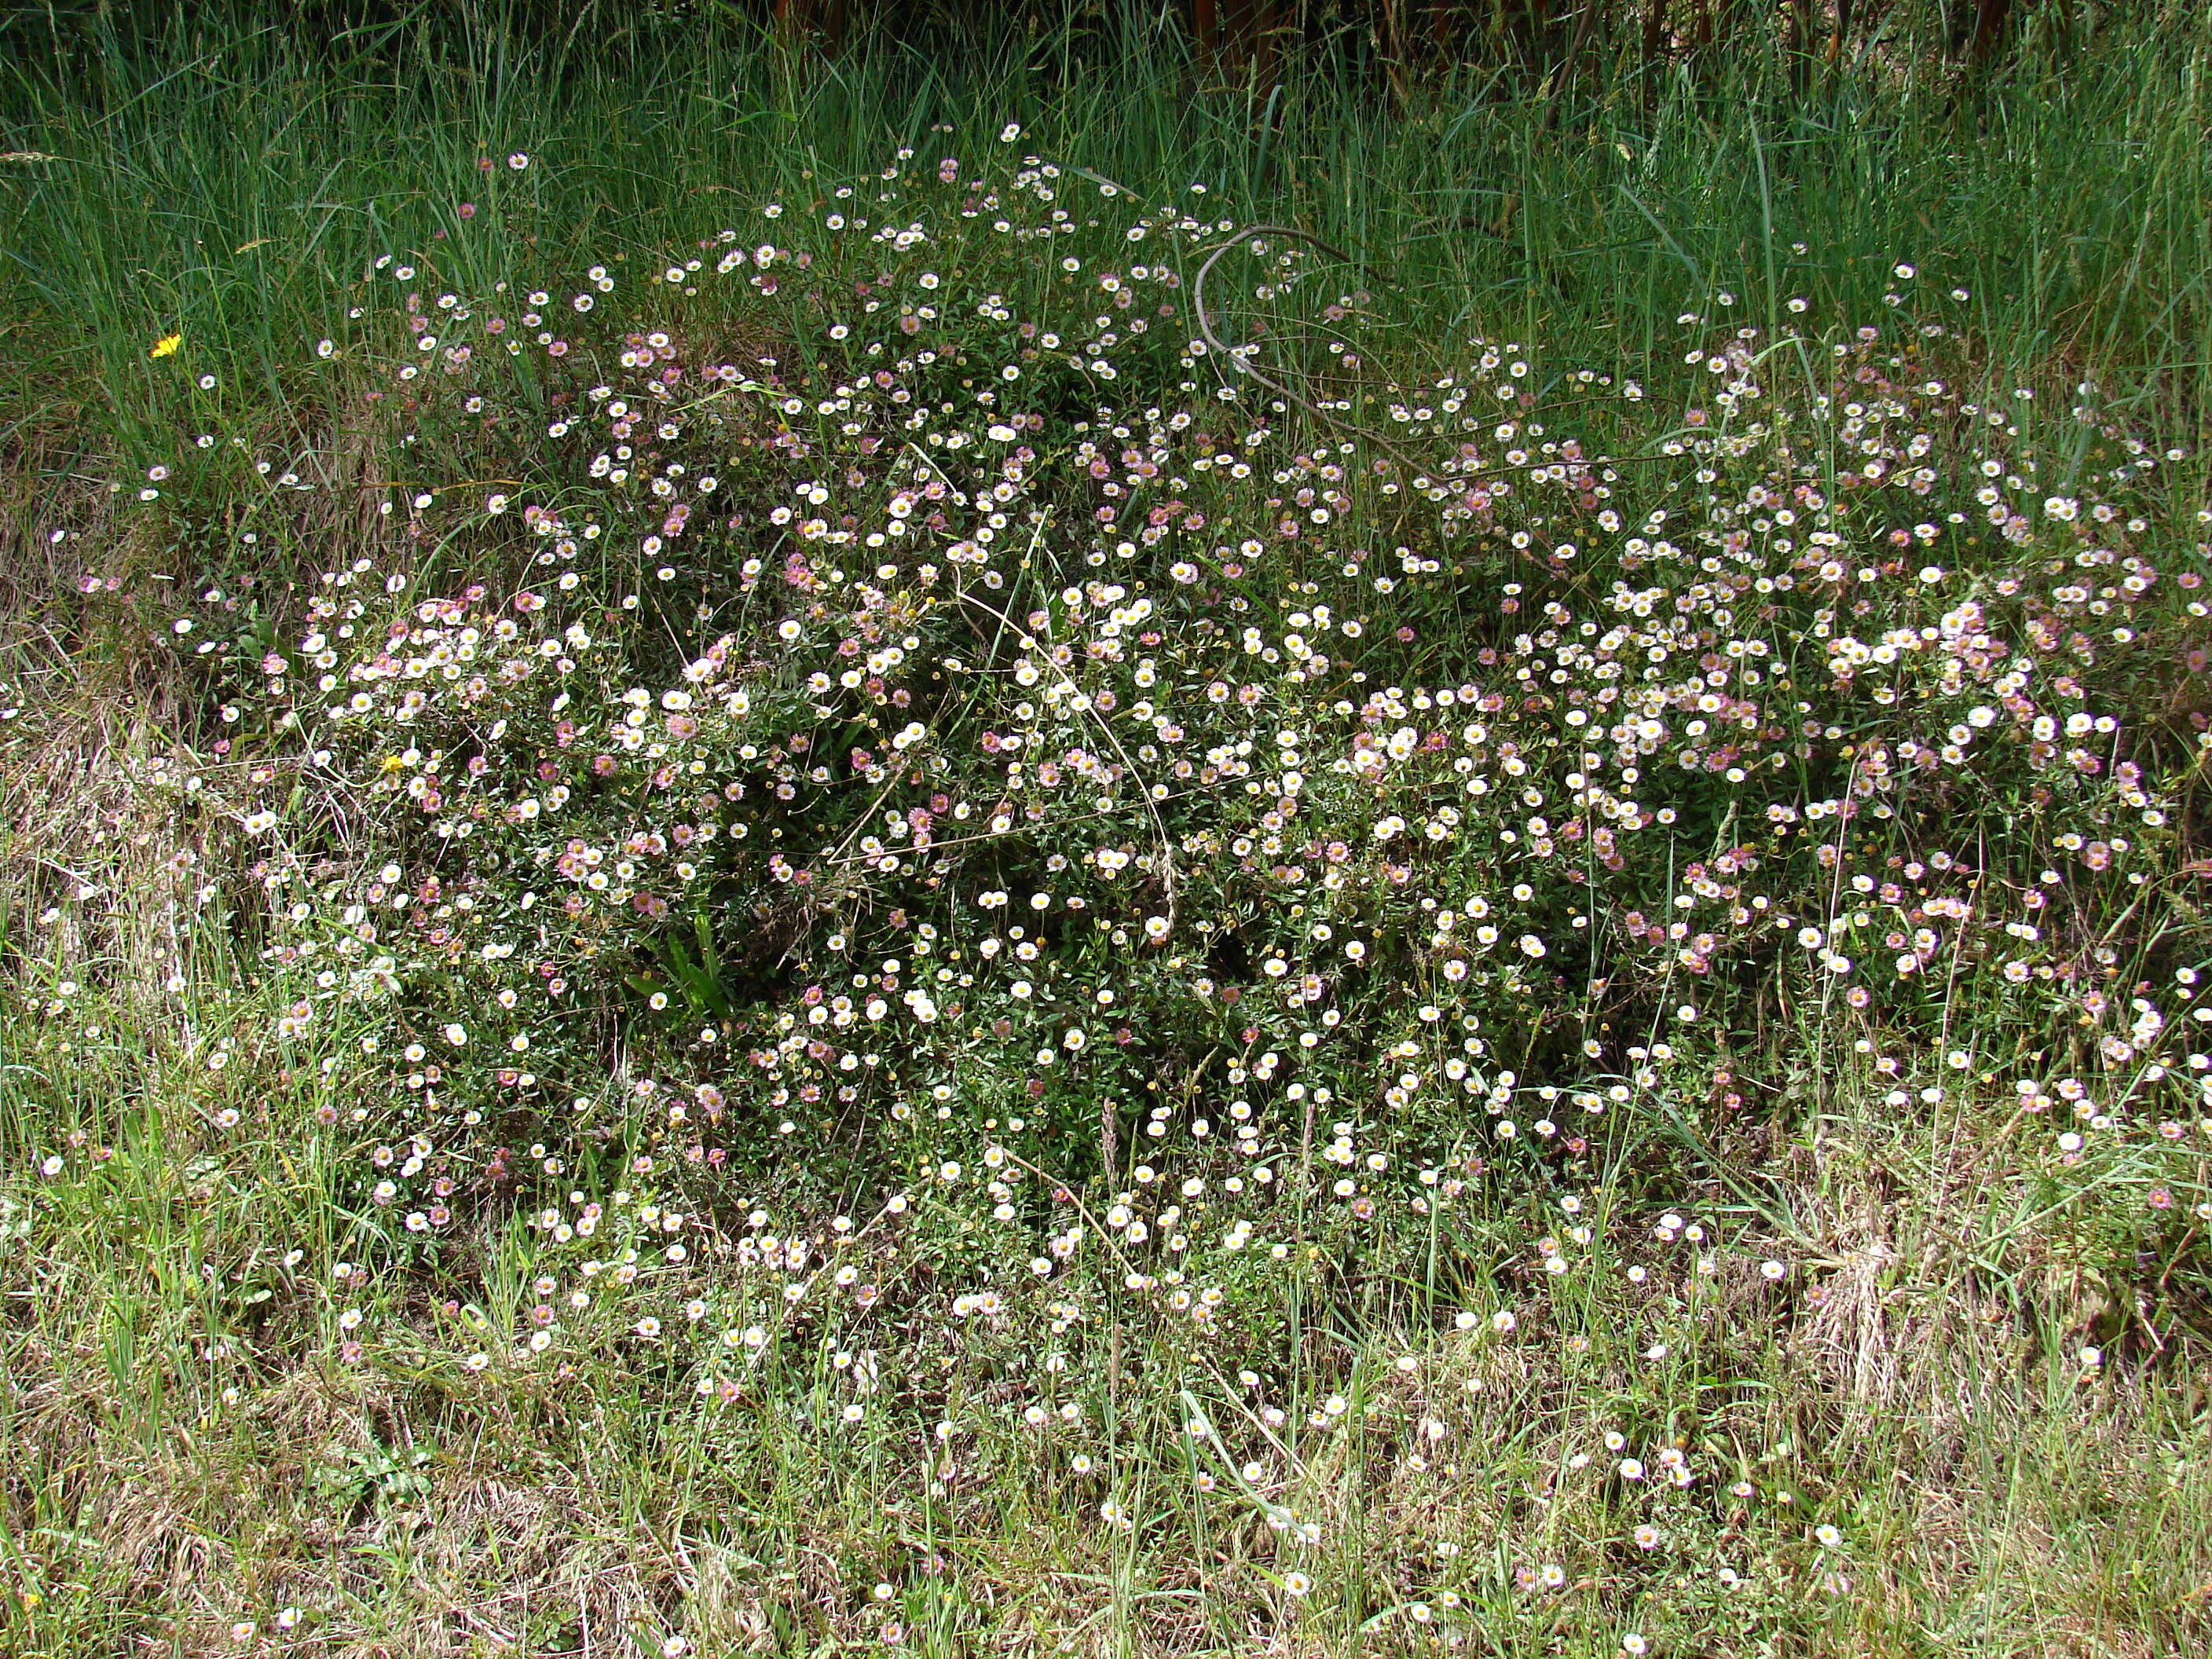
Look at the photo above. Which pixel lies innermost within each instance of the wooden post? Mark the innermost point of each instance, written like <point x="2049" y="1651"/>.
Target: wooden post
<point x="1991" y="17"/>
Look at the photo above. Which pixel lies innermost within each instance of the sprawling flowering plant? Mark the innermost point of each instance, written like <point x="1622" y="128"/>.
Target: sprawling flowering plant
<point x="895" y="703"/>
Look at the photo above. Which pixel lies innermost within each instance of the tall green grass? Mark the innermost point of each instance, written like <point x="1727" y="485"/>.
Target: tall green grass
<point x="220" y="182"/>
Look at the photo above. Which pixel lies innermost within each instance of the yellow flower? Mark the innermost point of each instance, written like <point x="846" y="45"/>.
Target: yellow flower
<point x="167" y="345"/>
<point x="394" y="763"/>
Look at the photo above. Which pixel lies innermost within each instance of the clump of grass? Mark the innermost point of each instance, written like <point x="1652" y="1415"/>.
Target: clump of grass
<point x="894" y="961"/>
<point x="225" y="188"/>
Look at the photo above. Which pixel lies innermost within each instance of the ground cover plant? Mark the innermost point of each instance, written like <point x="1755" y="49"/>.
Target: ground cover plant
<point x="973" y="900"/>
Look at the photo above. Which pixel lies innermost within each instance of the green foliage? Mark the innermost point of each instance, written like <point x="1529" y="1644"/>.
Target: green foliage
<point x="911" y="964"/>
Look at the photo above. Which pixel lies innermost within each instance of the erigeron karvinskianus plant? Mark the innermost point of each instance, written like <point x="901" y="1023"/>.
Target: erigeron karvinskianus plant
<point x="969" y="717"/>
